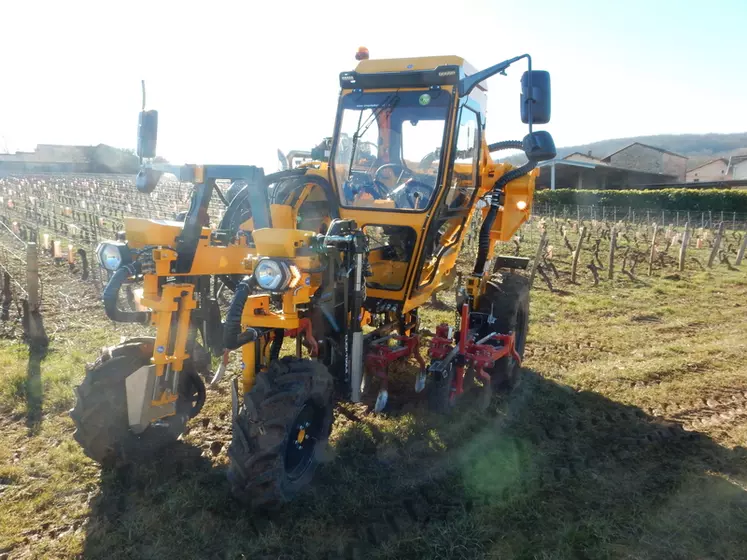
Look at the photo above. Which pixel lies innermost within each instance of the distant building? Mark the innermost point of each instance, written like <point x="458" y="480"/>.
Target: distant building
<point x="714" y="170"/>
<point x="634" y="166"/>
<point x="650" y="159"/>
<point x="738" y="167"/>
<point x="578" y="156"/>
<point x="54" y="158"/>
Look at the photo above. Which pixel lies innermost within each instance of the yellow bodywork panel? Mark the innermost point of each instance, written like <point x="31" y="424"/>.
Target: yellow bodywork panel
<point x="387" y="273"/>
<point x="442" y="277"/>
<point x="163" y="259"/>
<point x="247" y="225"/>
<point x="142" y="232"/>
<point x="375" y="66"/>
<point x="276" y="242"/>
<point x="517" y="207"/>
<point x="174" y="298"/>
<point x="208" y="259"/>
<point x="248" y="366"/>
<point x="257" y="313"/>
<point x="282" y="216"/>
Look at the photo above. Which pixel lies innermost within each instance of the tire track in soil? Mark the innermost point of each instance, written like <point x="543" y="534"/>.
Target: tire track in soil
<point x="721" y="409"/>
<point x="618" y="435"/>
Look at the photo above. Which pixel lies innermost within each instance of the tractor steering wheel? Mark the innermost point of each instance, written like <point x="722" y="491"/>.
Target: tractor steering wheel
<point x="360" y="183"/>
<point x="403" y="173"/>
<point x="412" y="194"/>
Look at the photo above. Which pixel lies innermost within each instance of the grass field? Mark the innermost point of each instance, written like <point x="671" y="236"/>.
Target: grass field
<point x="625" y="439"/>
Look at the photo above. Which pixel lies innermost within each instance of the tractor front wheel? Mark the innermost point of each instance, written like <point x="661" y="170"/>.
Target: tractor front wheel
<point x="100" y="413"/>
<point x="278" y="430"/>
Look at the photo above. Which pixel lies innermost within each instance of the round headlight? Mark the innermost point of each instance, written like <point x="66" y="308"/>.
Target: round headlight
<point x="113" y="254"/>
<point x="110" y="256"/>
<point x="270" y="275"/>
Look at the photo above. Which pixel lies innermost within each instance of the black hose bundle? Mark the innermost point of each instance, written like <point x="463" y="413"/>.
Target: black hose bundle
<point x="284" y="189"/>
<point x="233" y="338"/>
<point x="483" y="244"/>
<point x="506" y="145"/>
<point x="277" y="344"/>
<point x="111" y="296"/>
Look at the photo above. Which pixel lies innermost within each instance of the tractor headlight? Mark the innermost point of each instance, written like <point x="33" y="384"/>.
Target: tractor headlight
<point x="113" y="254"/>
<point x="271" y="275"/>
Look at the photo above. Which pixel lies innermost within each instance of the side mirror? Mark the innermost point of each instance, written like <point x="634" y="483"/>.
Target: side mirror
<point x="147" y="134"/>
<point x="147" y="180"/>
<point x="539" y="146"/>
<point x="535" y="102"/>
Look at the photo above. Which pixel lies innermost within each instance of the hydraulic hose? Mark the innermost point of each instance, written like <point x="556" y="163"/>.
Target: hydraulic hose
<point x="238" y="205"/>
<point x="111" y="295"/>
<point x="483" y="244"/>
<point x="233" y="338"/>
<point x="298" y="183"/>
<point x="506" y="145"/>
<point x="277" y="344"/>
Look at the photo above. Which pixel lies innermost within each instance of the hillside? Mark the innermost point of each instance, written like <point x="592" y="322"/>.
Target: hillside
<point x="699" y="148"/>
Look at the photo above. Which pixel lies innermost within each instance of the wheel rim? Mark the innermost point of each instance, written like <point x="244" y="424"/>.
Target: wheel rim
<point x="304" y="434"/>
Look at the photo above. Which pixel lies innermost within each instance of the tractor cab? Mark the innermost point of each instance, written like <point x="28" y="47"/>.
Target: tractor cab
<point x="404" y="164"/>
<point x="388" y="152"/>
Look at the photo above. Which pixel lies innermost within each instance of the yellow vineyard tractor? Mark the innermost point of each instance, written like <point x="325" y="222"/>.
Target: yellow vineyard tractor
<point x="337" y="255"/>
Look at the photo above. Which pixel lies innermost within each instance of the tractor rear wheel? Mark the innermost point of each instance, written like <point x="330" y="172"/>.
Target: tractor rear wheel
<point x="507" y="300"/>
<point x="100" y="412"/>
<point x="278" y="430"/>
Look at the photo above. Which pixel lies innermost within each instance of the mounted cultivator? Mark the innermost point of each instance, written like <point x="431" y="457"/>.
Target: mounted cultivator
<point x="337" y="254"/>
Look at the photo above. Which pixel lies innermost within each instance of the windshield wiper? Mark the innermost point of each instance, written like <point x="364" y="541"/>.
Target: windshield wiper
<point x="389" y="103"/>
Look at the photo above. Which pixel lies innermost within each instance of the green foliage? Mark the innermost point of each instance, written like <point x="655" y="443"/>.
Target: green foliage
<point x="667" y="199"/>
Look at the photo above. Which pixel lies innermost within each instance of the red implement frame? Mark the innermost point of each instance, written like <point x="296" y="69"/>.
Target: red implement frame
<point x="380" y="355"/>
<point x="308" y="338"/>
<point x="479" y="355"/>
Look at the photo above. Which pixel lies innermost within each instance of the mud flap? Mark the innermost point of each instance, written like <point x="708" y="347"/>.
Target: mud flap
<point x="140" y="411"/>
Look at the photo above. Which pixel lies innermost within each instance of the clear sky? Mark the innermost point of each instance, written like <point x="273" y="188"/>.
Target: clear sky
<point x="234" y="81"/>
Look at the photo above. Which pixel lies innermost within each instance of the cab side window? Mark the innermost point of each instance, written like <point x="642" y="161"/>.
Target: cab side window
<point x="466" y="158"/>
<point x="447" y="227"/>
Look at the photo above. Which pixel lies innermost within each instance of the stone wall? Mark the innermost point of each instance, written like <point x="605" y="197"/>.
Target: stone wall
<point x="713" y="171"/>
<point x="650" y="160"/>
<point x="674" y="165"/>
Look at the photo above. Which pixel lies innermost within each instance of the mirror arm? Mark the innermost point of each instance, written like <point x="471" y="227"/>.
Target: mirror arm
<point x="184" y="173"/>
<point x="142" y="89"/>
<point x="467" y="84"/>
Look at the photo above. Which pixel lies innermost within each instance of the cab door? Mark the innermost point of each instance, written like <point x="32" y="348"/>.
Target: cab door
<point x="446" y="232"/>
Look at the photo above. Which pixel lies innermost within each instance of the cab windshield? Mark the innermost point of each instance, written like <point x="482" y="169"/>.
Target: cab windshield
<point x="388" y="153"/>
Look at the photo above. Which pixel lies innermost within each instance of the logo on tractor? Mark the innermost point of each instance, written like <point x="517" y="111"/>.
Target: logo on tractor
<point x="424" y="99"/>
<point x="160" y="349"/>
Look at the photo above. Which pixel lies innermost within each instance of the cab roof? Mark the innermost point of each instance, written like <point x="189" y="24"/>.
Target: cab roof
<point x="414" y="64"/>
